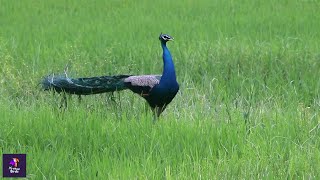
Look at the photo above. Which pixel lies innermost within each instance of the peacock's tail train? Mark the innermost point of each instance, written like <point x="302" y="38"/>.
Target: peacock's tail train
<point x="84" y="86"/>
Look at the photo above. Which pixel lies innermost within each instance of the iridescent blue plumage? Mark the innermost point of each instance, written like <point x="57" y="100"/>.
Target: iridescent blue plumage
<point x="158" y="90"/>
<point x="163" y="93"/>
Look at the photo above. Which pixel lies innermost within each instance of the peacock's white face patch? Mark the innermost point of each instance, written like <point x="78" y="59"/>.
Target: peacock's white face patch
<point x="166" y="37"/>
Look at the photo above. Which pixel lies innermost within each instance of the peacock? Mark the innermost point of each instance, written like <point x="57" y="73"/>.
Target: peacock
<point x="157" y="90"/>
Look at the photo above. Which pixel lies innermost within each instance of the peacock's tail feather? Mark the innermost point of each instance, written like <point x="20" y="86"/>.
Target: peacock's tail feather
<point x="85" y="86"/>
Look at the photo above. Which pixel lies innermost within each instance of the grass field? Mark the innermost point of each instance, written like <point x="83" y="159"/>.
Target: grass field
<point x="249" y="100"/>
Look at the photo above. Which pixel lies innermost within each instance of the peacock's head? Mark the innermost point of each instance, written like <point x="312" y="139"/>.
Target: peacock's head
<point x="165" y="37"/>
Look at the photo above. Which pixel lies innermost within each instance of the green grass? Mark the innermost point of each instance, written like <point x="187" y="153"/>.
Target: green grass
<point x="249" y="100"/>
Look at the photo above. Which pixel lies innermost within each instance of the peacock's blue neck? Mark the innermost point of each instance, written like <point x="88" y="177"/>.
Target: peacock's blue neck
<point x="169" y="74"/>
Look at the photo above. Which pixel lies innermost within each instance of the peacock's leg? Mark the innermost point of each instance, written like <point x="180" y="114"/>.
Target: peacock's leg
<point x="64" y="102"/>
<point x="79" y="98"/>
<point x="157" y="112"/>
<point x="154" y="113"/>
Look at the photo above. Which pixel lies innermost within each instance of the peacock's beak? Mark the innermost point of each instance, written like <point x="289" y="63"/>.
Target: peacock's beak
<point x="171" y="39"/>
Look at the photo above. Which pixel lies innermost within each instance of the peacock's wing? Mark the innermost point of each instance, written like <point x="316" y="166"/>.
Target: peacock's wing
<point x="143" y="84"/>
